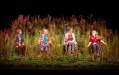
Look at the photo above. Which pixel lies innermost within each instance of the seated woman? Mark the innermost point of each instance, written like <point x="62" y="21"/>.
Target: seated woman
<point x="94" y="43"/>
<point x="69" y="42"/>
<point x="44" y="42"/>
<point x="20" y="43"/>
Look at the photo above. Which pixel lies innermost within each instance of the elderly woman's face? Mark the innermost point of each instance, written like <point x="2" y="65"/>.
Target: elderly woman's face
<point x="45" y="32"/>
<point x="20" y="32"/>
<point x="94" y="33"/>
<point x="70" y="30"/>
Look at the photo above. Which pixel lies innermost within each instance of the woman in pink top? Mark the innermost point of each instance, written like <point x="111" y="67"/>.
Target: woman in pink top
<point x="69" y="42"/>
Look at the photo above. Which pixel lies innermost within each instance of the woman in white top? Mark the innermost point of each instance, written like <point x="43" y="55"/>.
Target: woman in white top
<point x="69" y="41"/>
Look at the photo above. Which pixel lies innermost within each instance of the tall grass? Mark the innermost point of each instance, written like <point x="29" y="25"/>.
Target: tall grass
<point x="57" y="29"/>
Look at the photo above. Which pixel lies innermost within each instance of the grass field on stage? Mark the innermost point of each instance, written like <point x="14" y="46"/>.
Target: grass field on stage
<point x="57" y="28"/>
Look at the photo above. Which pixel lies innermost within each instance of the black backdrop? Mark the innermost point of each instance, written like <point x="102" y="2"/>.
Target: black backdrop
<point x="107" y="10"/>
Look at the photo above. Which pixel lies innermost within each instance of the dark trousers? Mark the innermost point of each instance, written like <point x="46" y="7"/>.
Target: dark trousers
<point x="95" y="48"/>
<point x="21" y="50"/>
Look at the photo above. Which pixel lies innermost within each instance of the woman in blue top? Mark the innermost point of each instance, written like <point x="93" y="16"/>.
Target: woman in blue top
<point x="44" y="41"/>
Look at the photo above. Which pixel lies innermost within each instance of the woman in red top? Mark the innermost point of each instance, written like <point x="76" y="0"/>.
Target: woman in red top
<point x="95" y="46"/>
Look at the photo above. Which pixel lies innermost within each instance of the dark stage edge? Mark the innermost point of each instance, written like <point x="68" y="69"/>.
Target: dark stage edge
<point x="57" y="67"/>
